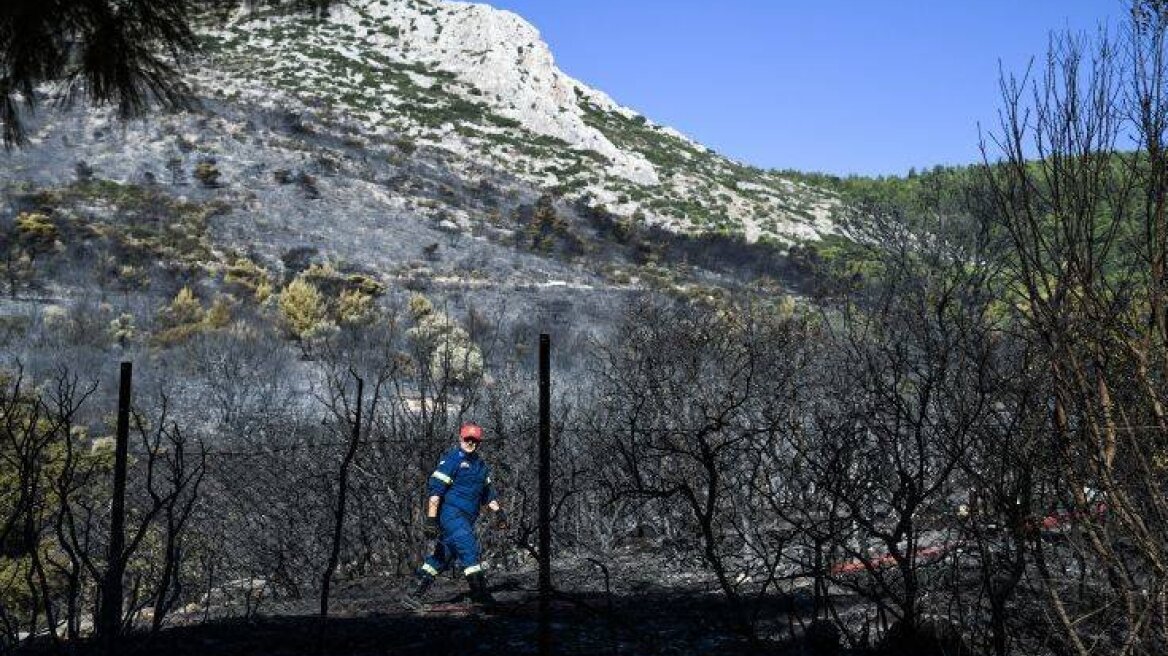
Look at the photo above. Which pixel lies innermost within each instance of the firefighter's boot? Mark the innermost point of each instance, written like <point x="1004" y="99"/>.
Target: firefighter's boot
<point x="479" y="593"/>
<point x="413" y="599"/>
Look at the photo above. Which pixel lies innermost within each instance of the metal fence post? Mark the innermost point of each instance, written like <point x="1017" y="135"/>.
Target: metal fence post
<point x="545" y="496"/>
<point x="110" y="624"/>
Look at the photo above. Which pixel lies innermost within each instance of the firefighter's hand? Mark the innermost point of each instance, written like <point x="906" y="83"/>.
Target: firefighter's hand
<point x="430" y="528"/>
<point x="501" y="520"/>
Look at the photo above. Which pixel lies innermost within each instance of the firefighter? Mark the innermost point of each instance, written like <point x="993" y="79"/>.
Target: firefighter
<point x="458" y="488"/>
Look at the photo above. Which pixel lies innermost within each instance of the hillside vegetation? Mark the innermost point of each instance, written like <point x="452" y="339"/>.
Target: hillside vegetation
<point x="481" y="83"/>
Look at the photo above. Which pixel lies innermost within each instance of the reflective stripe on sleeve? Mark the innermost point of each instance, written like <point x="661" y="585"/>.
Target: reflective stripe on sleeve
<point x="429" y="569"/>
<point x="442" y="477"/>
<point x="473" y="569"/>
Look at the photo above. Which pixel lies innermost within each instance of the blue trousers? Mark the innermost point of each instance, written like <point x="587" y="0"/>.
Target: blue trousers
<point x="458" y="542"/>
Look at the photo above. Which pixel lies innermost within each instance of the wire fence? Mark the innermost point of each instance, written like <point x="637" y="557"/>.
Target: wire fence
<point x="271" y="506"/>
<point x="524" y="434"/>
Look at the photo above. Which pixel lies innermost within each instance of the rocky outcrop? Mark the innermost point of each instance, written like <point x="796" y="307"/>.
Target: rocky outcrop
<point x="503" y="56"/>
<point x="481" y="84"/>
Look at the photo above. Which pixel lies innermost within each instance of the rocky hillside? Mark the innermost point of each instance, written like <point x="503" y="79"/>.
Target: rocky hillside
<point x="479" y="83"/>
<point x="426" y="147"/>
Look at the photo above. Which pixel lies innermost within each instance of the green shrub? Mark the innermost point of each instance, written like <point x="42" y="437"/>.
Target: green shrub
<point x="445" y="346"/>
<point x="246" y="276"/>
<point x="122" y="329"/>
<point x="355" y="308"/>
<point x="303" y="310"/>
<point x="35" y="233"/>
<point x="184" y="309"/>
<point x="207" y="173"/>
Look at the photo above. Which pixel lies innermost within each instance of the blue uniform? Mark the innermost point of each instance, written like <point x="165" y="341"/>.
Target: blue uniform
<point x="463" y="481"/>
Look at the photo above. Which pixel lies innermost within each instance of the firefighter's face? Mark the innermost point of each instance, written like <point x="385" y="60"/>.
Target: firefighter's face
<point x="469" y="445"/>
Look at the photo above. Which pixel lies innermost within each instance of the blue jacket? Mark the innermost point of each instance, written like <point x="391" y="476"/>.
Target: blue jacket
<point x="463" y="481"/>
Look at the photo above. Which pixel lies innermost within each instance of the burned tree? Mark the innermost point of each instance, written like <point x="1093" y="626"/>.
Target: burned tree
<point x="1087" y="217"/>
<point x="688" y="394"/>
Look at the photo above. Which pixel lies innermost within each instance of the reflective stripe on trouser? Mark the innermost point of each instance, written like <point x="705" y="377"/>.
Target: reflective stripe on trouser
<point x="458" y="542"/>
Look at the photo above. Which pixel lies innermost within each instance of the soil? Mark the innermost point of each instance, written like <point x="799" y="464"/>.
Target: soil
<point x="365" y="619"/>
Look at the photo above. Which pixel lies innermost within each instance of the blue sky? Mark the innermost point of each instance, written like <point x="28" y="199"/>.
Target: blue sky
<point x="844" y="87"/>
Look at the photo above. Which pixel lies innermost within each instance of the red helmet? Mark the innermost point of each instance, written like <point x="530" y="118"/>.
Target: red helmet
<point x="471" y="431"/>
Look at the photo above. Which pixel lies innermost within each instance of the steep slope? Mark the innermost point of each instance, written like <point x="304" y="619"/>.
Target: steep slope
<point x="480" y="83"/>
<point x="428" y="147"/>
